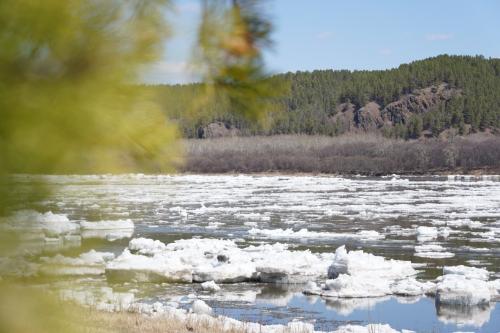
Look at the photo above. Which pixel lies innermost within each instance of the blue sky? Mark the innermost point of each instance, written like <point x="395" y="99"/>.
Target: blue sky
<point x="349" y="34"/>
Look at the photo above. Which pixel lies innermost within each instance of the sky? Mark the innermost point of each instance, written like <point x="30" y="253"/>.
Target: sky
<point x="348" y="34"/>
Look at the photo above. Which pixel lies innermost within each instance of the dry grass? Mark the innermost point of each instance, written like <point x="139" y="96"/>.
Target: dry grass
<point x="361" y="154"/>
<point x="31" y="310"/>
<point x="92" y="321"/>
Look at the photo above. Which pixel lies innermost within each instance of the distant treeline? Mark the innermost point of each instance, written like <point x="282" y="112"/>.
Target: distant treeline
<point x="315" y="101"/>
<point x="353" y="154"/>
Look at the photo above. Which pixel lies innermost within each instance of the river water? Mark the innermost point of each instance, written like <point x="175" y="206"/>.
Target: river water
<point x="320" y="213"/>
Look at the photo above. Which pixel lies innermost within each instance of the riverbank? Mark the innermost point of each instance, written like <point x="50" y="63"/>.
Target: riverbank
<point x="93" y="321"/>
<point x="348" y="155"/>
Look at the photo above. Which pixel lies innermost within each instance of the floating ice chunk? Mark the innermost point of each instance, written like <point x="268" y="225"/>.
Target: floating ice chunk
<point x="210" y="286"/>
<point x="454" y="289"/>
<point x="311" y="288"/>
<point x="369" y="235"/>
<point x="459" y="223"/>
<point x="412" y="287"/>
<point x="282" y="266"/>
<point x="332" y="212"/>
<point x="88" y="263"/>
<point x="306" y="234"/>
<point x="426" y="233"/>
<point x="359" y="274"/>
<point x="350" y="286"/>
<point x="56" y="224"/>
<point x="50" y="224"/>
<point x="468" y="272"/>
<point x="250" y="223"/>
<point x="200" y="307"/>
<point x="201" y="260"/>
<point x="475" y="249"/>
<point x="214" y="225"/>
<point x="359" y="263"/>
<point x="145" y="246"/>
<point x="432" y="251"/>
<point x="133" y="267"/>
<point x="444" y="232"/>
<point x="110" y="230"/>
<point x="462" y="285"/>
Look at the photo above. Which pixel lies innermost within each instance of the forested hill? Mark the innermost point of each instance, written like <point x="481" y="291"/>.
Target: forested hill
<point x="423" y="98"/>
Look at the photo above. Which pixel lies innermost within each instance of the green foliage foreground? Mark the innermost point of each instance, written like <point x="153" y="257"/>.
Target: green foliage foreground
<point x="69" y="102"/>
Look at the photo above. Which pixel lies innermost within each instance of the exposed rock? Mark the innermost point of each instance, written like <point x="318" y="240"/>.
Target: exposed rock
<point x="371" y="117"/>
<point x="222" y="258"/>
<point x="419" y="101"/>
<point x="344" y="117"/>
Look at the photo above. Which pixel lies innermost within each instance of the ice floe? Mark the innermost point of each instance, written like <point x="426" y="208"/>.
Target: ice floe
<point x="432" y="251"/>
<point x="412" y="287"/>
<point x="464" y="286"/>
<point x="49" y="224"/>
<point x="360" y="263"/>
<point x="468" y="272"/>
<point x="306" y="234"/>
<point x="53" y="232"/>
<point x="110" y="230"/>
<point x="200" y="307"/>
<point x="359" y="274"/>
<point x="38" y="232"/>
<point x="201" y="260"/>
<point x="430" y="233"/>
<point x="88" y="263"/>
<point x="210" y="286"/>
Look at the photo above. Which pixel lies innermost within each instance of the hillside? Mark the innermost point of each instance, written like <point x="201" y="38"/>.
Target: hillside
<point x="423" y="98"/>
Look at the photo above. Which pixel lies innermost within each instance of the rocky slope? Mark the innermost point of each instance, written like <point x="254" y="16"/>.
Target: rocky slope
<point x="371" y="117"/>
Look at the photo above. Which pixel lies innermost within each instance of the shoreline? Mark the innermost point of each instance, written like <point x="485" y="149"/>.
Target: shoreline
<point x="495" y="172"/>
<point x="437" y="173"/>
